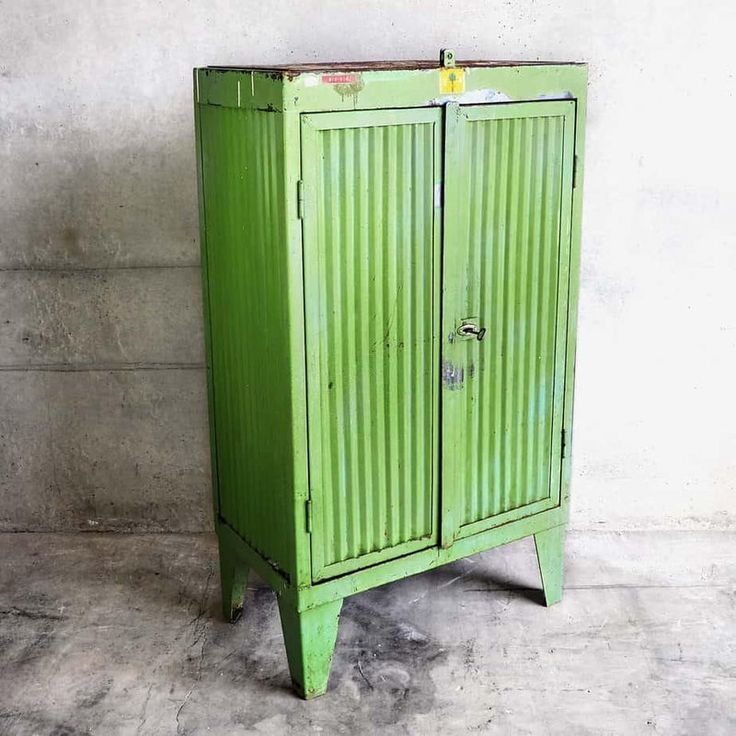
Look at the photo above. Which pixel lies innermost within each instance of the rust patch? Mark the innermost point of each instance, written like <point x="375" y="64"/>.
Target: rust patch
<point x="347" y="88"/>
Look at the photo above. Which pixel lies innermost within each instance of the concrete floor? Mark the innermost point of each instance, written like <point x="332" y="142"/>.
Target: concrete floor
<point x="122" y="634"/>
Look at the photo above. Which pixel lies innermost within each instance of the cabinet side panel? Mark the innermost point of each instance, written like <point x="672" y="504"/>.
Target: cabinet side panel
<point x="245" y="255"/>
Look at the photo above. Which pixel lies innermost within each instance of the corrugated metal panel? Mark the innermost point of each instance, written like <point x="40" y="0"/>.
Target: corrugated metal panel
<point x="242" y="172"/>
<point x="509" y="241"/>
<point x="370" y="314"/>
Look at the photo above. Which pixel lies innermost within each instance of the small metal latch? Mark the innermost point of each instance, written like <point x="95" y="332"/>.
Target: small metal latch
<point x="447" y="58"/>
<point x="468" y="328"/>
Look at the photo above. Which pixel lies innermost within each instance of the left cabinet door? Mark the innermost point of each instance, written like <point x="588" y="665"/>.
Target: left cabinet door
<point x="370" y="183"/>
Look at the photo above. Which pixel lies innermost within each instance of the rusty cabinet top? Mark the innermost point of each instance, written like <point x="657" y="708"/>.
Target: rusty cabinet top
<point x="351" y="85"/>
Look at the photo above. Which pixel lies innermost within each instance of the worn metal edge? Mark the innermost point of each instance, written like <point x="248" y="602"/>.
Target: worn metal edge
<point x="205" y="304"/>
<point x="251" y="558"/>
<point x="304" y="91"/>
<point x="311" y="596"/>
<point x="361" y="580"/>
<point x="574" y="287"/>
<point x="292" y="148"/>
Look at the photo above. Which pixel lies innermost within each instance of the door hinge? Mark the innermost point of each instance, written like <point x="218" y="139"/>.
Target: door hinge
<point x="574" y="171"/>
<point x="562" y="450"/>
<point x="308" y="514"/>
<point x="300" y="199"/>
<point x="438" y="195"/>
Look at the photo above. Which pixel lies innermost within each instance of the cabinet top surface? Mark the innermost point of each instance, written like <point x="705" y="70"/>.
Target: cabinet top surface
<point x="367" y="66"/>
<point x="350" y="85"/>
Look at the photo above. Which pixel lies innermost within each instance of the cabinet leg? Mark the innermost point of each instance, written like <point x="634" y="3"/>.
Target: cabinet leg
<point x="551" y="557"/>
<point x="234" y="580"/>
<point x="310" y="638"/>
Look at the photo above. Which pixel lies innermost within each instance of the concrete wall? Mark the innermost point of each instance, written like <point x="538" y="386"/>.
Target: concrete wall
<point x="102" y="396"/>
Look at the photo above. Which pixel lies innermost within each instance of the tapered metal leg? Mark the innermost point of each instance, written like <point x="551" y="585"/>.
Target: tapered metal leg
<point x="310" y="638"/>
<point x="551" y="557"/>
<point x="234" y="580"/>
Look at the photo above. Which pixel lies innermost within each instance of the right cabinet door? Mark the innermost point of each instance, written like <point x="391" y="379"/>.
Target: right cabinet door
<point x="508" y="186"/>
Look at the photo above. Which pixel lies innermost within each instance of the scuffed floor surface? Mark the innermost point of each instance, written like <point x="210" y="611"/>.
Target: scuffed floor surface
<point x="107" y="634"/>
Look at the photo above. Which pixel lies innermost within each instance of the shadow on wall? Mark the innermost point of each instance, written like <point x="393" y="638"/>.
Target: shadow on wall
<point x="93" y="200"/>
<point x="103" y="421"/>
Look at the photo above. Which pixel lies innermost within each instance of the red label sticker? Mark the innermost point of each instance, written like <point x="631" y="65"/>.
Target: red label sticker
<point x="339" y="78"/>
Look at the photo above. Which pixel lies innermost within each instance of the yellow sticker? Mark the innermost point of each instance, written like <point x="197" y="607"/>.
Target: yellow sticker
<point x="452" y="81"/>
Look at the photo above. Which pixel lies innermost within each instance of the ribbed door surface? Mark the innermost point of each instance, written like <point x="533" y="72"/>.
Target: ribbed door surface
<point x="372" y="309"/>
<point x="505" y="270"/>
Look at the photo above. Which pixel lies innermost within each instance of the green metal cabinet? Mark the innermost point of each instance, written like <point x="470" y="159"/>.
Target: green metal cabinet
<point x="390" y="266"/>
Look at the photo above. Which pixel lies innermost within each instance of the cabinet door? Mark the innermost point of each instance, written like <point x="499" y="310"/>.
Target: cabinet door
<point x="371" y="277"/>
<point x="508" y="179"/>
